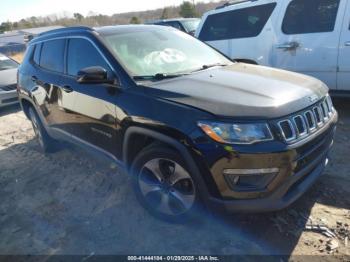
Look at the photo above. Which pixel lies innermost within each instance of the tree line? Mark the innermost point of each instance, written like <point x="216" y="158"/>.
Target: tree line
<point x="186" y="9"/>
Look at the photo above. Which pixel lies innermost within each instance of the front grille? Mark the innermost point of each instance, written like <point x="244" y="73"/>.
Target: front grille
<point x="313" y="149"/>
<point x="303" y="124"/>
<point x="9" y="88"/>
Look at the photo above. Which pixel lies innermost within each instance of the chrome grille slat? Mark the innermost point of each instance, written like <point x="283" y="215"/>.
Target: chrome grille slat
<point x="303" y="124"/>
<point x="324" y="111"/>
<point x="300" y="125"/>
<point x="310" y="120"/>
<point x="330" y="104"/>
<point x="283" y="126"/>
<point x="318" y="115"/>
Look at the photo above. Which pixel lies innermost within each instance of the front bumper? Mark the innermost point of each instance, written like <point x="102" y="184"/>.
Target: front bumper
<point x="293" y="188"/>
<point x="8" y="98"/>
<point x="299" y="167"/>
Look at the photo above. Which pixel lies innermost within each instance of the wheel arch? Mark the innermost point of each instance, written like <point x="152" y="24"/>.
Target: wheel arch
<point x="168" y="141"/>
<point x="149" y="136"/>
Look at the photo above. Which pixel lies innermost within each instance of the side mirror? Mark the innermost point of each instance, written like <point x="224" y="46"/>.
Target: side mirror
<point x="93" y="75"/>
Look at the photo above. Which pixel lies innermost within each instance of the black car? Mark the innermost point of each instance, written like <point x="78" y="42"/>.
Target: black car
<point x="193" y="128"/>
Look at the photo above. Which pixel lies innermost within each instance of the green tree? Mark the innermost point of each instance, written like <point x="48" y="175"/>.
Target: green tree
<point x="5" y="26"/>
<point x="135" y="20"/>
<point x="78" y="16"/>
<point x="34" y="21"/>
<point x="24" y="24"/>
<point x="165" y="14"/>
<point x="187" y="10"/>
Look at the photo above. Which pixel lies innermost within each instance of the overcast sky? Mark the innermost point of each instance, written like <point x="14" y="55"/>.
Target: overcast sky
<point x="14" y="10"/>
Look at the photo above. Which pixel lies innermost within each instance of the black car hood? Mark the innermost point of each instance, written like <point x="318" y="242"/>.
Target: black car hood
<point x="242" y="90"/>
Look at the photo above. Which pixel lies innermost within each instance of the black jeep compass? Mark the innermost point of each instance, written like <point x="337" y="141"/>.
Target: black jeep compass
<point x="190" y="126"/>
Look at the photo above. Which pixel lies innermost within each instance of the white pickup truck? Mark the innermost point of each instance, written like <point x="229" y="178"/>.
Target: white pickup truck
<point x="307" y="36"/>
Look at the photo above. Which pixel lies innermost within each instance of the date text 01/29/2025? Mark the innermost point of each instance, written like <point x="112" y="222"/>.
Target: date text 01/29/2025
<point x="173" y="258"/>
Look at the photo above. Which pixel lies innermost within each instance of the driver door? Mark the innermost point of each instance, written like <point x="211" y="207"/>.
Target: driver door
<point x="92" y="120"/>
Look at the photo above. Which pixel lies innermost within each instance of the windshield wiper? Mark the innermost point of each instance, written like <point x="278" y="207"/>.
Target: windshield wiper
<point x="159" y="76"/>
<point x="162" y="76"/>
<point x="204" y="67"/>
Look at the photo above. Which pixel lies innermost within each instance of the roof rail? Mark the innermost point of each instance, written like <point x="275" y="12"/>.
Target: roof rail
<point x="234" y="2"/>
<point x="67" y="29"/>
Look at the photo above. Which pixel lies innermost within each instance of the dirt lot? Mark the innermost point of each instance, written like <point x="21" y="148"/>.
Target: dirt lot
<point x="71" y="202"/>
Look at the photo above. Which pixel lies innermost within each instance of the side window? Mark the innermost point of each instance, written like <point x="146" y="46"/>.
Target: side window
<point x="82" y="54"/>
<point x="241" y="23"/>
<point x="52" y="55"/>
<point x="37" y="51"/>
<point x="311" y="16"/>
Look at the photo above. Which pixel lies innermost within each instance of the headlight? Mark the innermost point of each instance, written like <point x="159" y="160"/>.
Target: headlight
<point x="245" y="133"/>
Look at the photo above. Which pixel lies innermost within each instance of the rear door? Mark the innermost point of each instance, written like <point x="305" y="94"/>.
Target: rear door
<point x="309" y="37"/>
<point x="93" y="117"/>
<point x="49" y="92"/>
<point x="344" y="53"/>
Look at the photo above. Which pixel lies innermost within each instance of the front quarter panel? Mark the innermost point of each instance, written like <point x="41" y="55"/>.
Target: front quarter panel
<point x="138" y="108"/>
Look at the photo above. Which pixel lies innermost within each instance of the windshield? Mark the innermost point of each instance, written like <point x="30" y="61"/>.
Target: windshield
<point x="162" y="51"/>
<point x="6" y="63"/>
<point x="191" y="25"/>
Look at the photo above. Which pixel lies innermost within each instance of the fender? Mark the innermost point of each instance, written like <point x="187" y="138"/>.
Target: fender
<point x="203" y="190"/>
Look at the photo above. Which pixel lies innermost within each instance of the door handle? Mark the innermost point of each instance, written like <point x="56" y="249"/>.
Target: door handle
<point x="67" y="89"/>
<point x="347" y="43"/>
<point x="288" y="46"/>
<point x="34" y="78"/>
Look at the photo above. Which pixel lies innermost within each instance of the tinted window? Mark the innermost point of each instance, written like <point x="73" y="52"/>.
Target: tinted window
<point x="242" y="23"/>
<point x="311" y="16"/>
<point x="52" y="55"/>
<point x="36" y="57"/>
<point x="82" y="54"/>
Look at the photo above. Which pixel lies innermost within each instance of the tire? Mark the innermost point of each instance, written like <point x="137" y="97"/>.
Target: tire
<point x="164" y="186"/>
<point x="46" y="143"/>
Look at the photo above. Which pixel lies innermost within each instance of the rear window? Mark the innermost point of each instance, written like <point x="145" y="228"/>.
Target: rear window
<point x="311" y="16"/>
<point x="242" y="23"/>
<point x="52" y="55"/>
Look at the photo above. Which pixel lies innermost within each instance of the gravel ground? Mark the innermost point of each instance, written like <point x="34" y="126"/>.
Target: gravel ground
<point x="73" y="203"/>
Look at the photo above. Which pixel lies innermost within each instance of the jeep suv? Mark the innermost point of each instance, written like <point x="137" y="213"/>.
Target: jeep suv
<point x="193" y="128"/>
